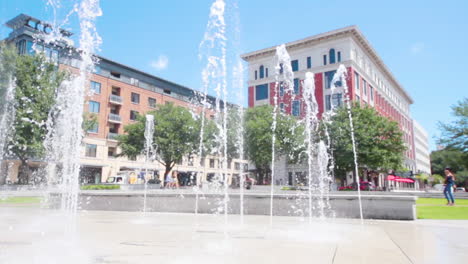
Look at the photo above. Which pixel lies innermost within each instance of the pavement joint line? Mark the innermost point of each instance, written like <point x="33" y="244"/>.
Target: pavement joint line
<point x="396" y="244"/>
<point x="334" y="254"/>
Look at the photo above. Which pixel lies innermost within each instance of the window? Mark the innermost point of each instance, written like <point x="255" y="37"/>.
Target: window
<point x="358" y="99"/>
<point x="152" y="102"/>
<point x="212" y="163"/>
<point x="97" y="69"/>
<point x="336" y="100"/>
<point x="296" y="86"/>
<point x="135" y="98"/>
<point x="339" y="56"/>
<point x="327" y="102"/>
<point x="133" y="115"/>
<point x="309" y="62"/>
<point x="324" y="59"/>
<point x="167" y="91"/>
<point x="356" y="81"/>
<point x="94" y="107"/>
<point x="332" y="56"/>
<point x="96" y="87"/>
<point x="364" y="86"/>
<point x="281" y="68"/>
<point x="266" y="72"/>
<point x="329" y="78"/>
<point x="282" y="107"/>
<point x="237" y="166"/>
<point x="255" y="75"/>
<point x="29" y="47"/>
<point x="261" y="92"/>
<point x="262" y="72"/>
<point x="94" y="128"/>
<point x="134" y="81"/>
<point x="111" y="152"/>
<point x="91" y="150"/>
<point x="190" y="160"/>
<point x="296" y="108"/>
<point x="281" y="88"/>
<point x="115" y="74"/>
<point x="20" y="45"/>
<point x="295" y="65"/>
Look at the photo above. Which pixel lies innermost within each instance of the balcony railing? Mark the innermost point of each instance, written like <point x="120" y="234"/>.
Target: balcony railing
<point x="112" y="136"/>
<point x="114" y="118"/>
<point x="115" y="99"/>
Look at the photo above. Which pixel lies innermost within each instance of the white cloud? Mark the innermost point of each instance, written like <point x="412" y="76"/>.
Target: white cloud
<point x="417" y="47"/>
<point x="161" y="63"/>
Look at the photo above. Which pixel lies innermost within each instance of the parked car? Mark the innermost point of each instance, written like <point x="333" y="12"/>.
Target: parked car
<point x="249" y="182"/>
<point x="367" y="186"/>
<point x="460" y="189"/>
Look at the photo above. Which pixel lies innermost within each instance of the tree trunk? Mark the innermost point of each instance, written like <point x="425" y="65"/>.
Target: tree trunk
<point x="24" y="173"/>
<point x="168" y="167"/>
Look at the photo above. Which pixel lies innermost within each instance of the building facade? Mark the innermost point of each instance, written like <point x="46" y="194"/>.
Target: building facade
<point x="369" y="80"/>
<point x="421" y="145"/>
<point x="116" y="94"/>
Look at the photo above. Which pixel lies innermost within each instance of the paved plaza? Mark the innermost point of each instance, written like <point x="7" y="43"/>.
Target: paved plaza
<point x="33" y="235"/>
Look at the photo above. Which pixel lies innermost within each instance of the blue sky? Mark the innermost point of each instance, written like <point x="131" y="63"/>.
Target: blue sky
<point x="422" y="42"/>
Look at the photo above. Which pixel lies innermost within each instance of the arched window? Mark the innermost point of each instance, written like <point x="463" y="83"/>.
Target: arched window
<point x="262" y="72"/>
<point x="332" y="56"/>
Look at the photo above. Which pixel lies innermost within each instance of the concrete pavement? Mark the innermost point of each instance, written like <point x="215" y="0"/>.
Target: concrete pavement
<point x="33" y="235"/>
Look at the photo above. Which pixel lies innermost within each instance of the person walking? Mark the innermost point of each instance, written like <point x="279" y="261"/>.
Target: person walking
<point x="169" y="181"/>
<point x="449" y="185"/>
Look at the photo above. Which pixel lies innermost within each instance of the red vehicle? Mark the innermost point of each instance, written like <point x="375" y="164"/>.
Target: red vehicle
<point x="367" y="186"/>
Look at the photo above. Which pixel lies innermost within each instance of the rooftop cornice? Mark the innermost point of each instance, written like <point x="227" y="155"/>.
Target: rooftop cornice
<point x="23" y="20"/>
<point x="352" y="31"/>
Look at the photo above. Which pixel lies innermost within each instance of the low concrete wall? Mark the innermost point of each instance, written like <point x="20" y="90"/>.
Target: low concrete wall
<point x="342" y="206"/>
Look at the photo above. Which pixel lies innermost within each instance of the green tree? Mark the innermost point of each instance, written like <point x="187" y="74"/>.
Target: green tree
<point x="8" y="58"/>
<point x="379" y="141"/>
<point x="455" y="134"/>
<point x="176" y="134"/>
<point x="452" y="158"/>
<point x="258" y="137"/>
<point x="36" y="82"/>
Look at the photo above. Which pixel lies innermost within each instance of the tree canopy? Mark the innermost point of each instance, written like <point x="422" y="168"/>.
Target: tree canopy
<point x="176" y="134"/>
<point x="379" y="140"/>
<point x="36" y="82"/>
<point x="259" y="133"/>
<point x="452" y="158"/>
<point x="455" y="134"/>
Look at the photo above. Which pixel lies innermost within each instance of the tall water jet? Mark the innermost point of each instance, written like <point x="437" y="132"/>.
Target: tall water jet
<point x="149" y="134"/>
<point x="65" y="122"/>
<point x="7" y="98"/>
<point x="340" y="76"/>
<point x="311" y="127"/>
<point x="239" y="112"/>
<point x="284" y="78"/>
<point x="213" y="49"/>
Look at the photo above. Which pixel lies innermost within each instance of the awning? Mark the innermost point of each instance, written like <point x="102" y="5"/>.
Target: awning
<point x="408" y="180"/>
<point x="399" y="179"/>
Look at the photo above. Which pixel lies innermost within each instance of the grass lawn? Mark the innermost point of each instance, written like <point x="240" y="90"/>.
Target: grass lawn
<point x="435" y="208"/>
<point x="439" y="201"/>
<point x="20" y="200"/>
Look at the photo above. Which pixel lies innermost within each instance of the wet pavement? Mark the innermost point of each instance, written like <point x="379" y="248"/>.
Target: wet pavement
<point x="34" y="235"/>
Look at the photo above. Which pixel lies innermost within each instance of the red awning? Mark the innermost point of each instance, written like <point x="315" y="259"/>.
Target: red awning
<point x="399" y="179"/>
<point x="408" y="180"/>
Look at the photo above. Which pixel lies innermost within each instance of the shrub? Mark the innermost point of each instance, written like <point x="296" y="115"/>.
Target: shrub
<point x="288" y="188"/>
<point x="100" y="187"/>
<point x="154" y="181"/>
<point x="346" y="188"/>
